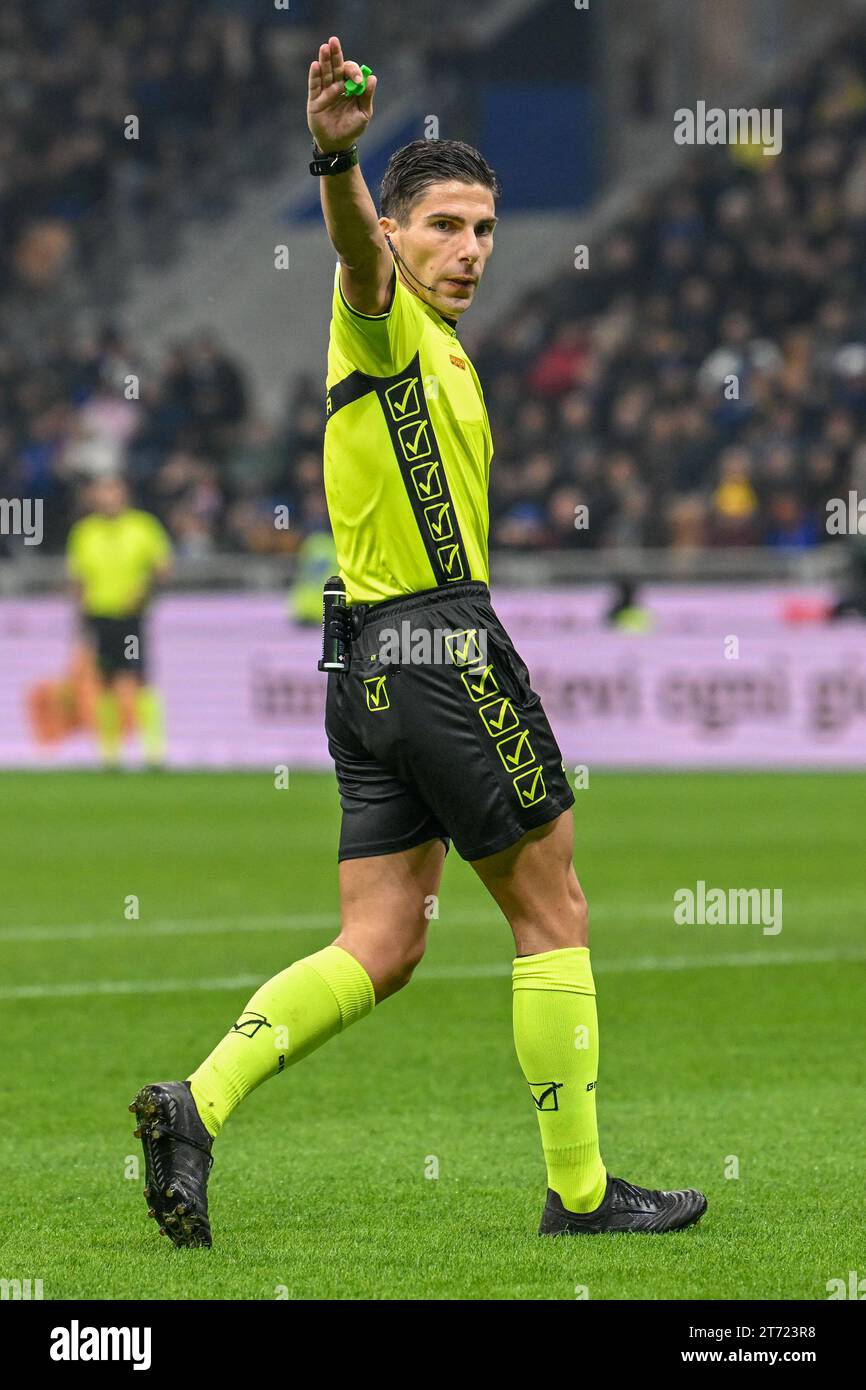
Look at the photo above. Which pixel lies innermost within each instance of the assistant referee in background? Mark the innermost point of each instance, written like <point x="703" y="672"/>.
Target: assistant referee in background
<point x="114" y="555"/>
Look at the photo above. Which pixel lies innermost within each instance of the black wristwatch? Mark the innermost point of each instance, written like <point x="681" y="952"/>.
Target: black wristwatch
<point x="335" y="162"/>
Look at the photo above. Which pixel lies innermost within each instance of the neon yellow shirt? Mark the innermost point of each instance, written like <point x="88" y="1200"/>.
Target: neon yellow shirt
<point x="114" y="558"/>
<point x="407" y="450"/>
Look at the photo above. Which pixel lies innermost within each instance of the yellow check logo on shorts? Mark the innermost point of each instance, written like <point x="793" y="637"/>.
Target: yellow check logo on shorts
<point x="480" y="683"/>
<point x="499" y="716"/>
<point x="463" y="647"/>
<point x="377" y="694"/>
<point x="530" y="786"/>
<point x="516" y="750"/>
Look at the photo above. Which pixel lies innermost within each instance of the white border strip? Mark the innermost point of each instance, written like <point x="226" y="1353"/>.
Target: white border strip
<point x="496" y="970"/>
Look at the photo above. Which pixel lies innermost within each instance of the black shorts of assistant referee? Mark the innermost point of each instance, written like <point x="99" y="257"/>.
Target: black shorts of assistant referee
<point x="455" y="746"/>
<point x="108" y="638"/>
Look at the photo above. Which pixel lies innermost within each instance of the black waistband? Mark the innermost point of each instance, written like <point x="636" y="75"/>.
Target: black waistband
<point x="363" y="613"/>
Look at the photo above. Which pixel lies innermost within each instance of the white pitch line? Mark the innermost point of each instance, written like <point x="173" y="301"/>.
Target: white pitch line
<point x="432" y="974"/>
<point x="321" y="921"/>
<point x="180" y="926"/>
<point x="225" y="926"/>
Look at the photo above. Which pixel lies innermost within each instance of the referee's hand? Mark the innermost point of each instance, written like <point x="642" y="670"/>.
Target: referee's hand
<point x="335" y="120"/>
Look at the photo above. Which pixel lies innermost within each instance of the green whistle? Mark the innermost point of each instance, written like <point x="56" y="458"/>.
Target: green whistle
<point x="356" y="89"/>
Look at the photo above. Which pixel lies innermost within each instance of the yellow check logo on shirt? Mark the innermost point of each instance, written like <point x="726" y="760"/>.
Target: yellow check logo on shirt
<point x="439" y="520"/>
<point x="449" y="559"/>
<point x="426" y="478"/>
<point x="377" y="694"/>
<point x="530" y="786"/>
<point x="402" y="398"/>
<point x="499" y="716"/>
<point x="463" y="647"/>
<point x="516" y="750"/>
<point x="415" y="439"/>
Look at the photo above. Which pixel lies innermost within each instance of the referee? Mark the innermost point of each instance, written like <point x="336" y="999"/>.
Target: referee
<point x="113" y="557"/>
<point x="429" y="752"/>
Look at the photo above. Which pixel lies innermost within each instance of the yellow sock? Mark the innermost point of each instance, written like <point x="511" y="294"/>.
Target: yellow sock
<point x="108" y="726"/>
<point x="151" y="722"/>
<point x="556" y="1038"/>
<point x="289" y="1017"/>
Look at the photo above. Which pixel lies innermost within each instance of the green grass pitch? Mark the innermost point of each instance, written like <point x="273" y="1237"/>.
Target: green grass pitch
<point x="719" y="1044"/>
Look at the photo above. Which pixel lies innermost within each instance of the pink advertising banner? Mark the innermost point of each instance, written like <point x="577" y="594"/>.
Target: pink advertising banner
<point x="726" y="677"/>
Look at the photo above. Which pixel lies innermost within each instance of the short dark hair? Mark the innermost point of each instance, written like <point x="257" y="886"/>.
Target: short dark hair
<point x="421" y="163"/>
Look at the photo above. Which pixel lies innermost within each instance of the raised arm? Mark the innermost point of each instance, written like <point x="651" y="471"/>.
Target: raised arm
<point x="336" y="123"/>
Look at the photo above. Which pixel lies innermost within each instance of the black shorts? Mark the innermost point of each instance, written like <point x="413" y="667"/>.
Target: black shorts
<point x="445" y="741"/>
<point x="108" y="637"/>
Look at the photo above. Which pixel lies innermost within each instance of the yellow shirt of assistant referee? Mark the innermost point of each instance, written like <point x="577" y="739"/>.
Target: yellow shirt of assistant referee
<point x="114" y="558"/>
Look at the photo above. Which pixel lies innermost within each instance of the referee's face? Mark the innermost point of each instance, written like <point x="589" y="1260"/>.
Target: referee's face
<point x="447" y="243"/>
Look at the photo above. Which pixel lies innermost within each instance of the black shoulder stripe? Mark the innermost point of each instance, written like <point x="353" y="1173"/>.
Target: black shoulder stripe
<point x="351" y="388"/>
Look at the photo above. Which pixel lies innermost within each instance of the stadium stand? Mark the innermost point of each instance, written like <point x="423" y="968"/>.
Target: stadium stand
<point x="606" y="388"/>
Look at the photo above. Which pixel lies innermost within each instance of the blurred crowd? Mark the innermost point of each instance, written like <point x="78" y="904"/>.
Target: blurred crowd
<point x="187" y="440"/>
<point x="118" y="119"/>
<point x="703" y="381"/>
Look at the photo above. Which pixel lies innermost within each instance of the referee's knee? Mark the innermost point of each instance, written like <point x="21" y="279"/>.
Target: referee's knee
<point x="390" y="964"/>
<point x="392" y="976"/>
<point x="400" y="974"/>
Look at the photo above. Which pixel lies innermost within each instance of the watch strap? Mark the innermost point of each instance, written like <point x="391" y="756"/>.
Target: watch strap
<point x="334" y="163"/>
